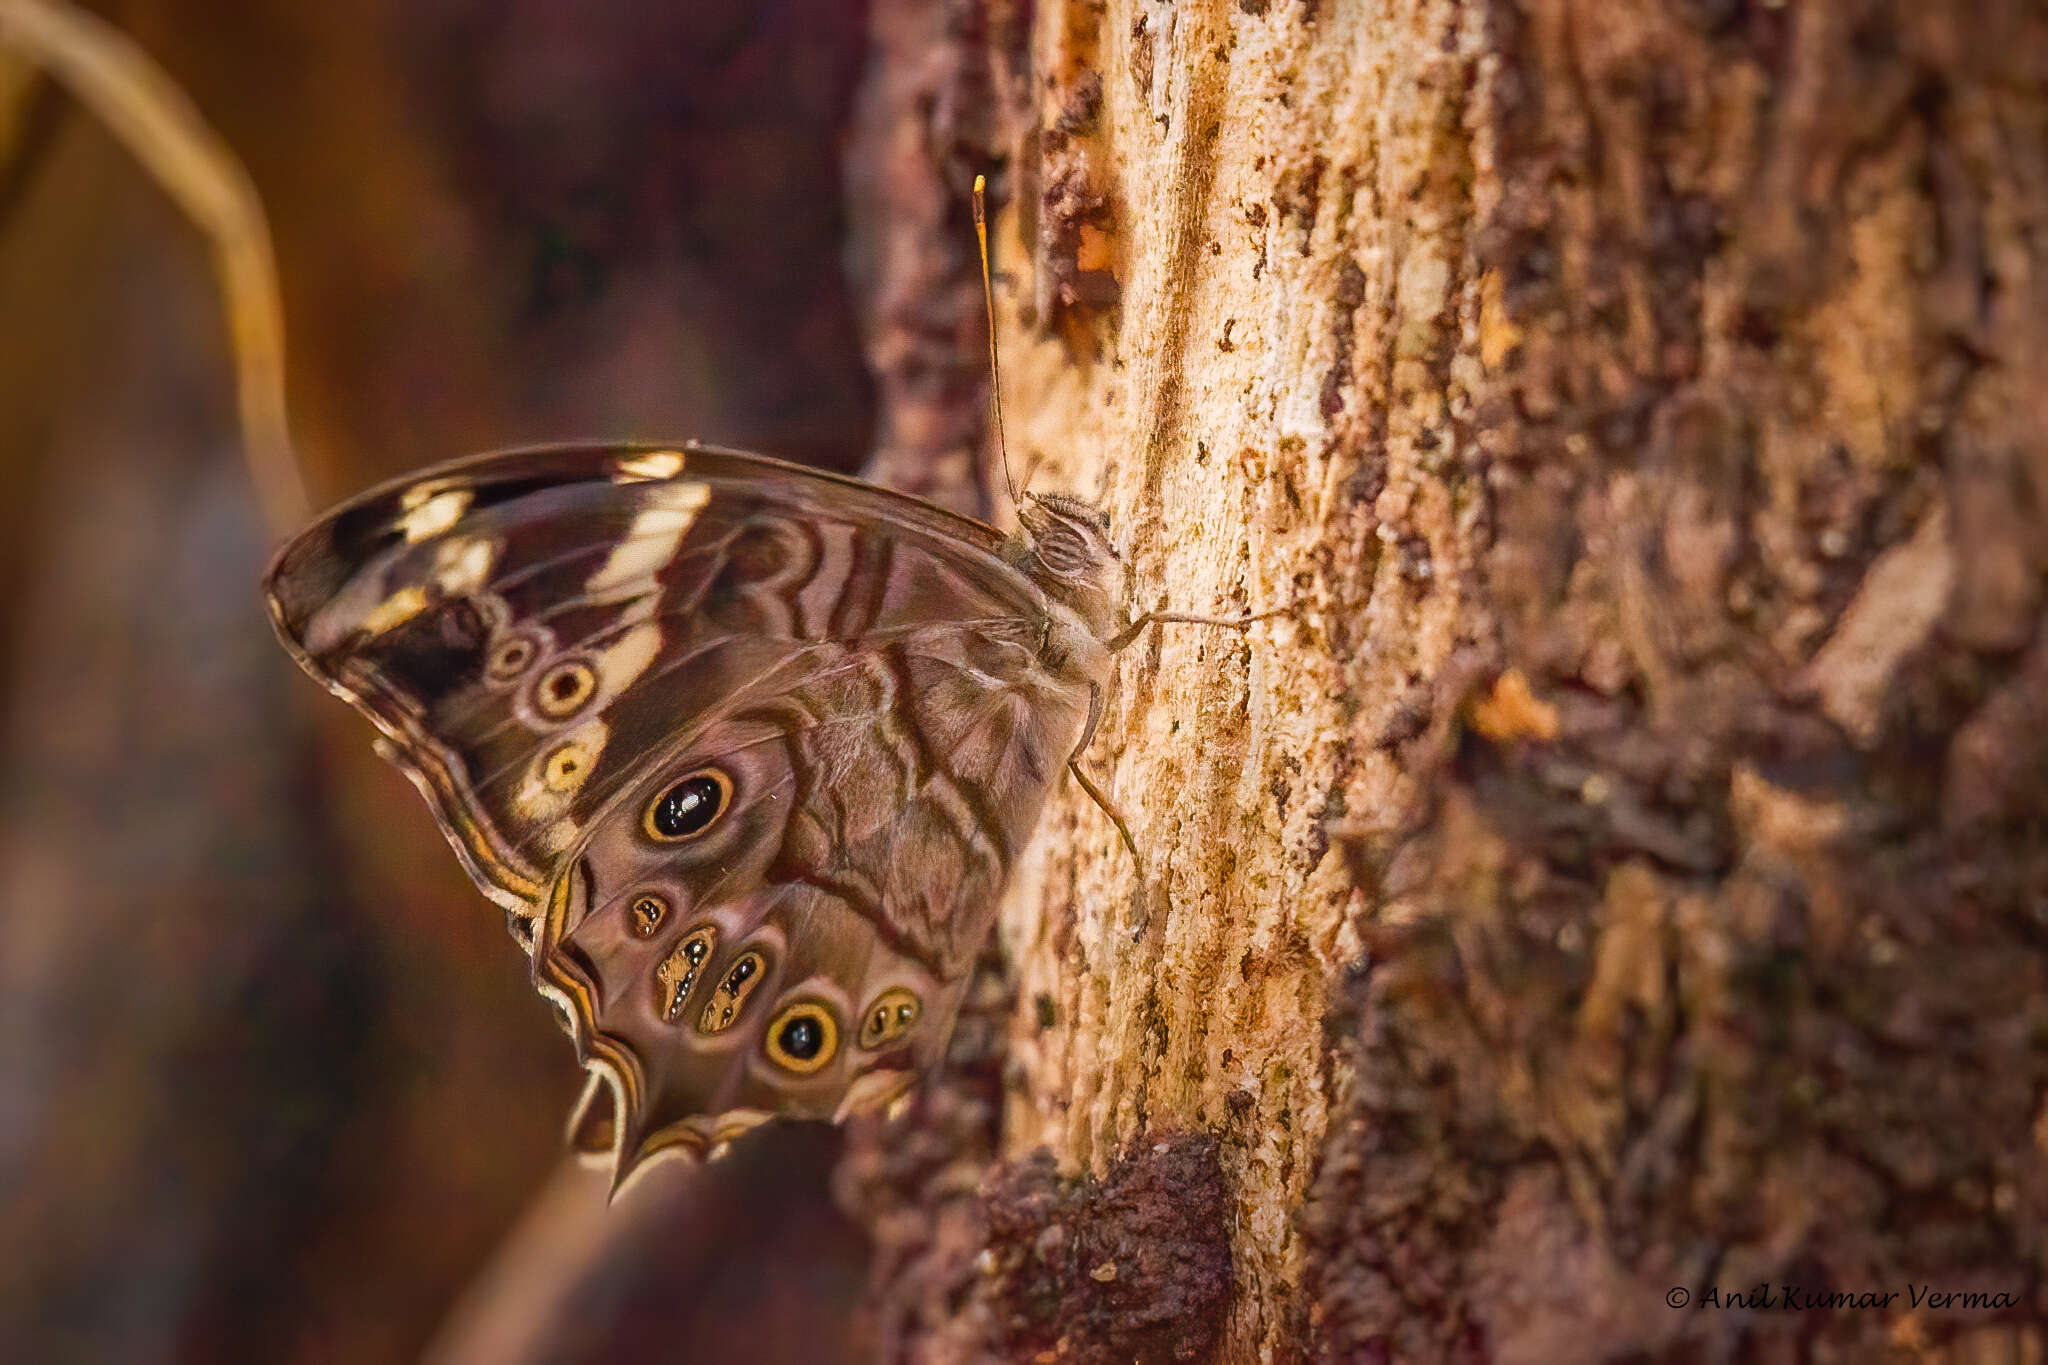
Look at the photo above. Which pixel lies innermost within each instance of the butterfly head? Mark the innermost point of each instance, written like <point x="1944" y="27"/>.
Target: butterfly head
<point x="1071" y="554"/>
<point x="1069" y="538"/>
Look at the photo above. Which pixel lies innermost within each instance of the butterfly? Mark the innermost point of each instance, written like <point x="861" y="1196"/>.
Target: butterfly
<point x="745" y="750"/>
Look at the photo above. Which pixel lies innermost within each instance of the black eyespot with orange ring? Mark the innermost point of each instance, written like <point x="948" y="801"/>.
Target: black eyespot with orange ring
<point x="803" y="1038"/>
<point x="687" y="808"/>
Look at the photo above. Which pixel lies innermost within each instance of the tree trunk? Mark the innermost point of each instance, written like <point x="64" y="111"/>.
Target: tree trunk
<point x="1614" y="876"/>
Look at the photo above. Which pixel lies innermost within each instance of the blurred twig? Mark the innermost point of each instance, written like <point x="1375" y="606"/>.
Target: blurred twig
<point x="139" y="102"/>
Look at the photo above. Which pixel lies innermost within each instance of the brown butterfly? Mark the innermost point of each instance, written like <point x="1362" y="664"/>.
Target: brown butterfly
<point x="746" y="750"/>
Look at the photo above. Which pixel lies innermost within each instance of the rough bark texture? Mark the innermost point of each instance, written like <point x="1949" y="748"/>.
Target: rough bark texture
<point x="1621" y="869"/>
<point x="1721" y="956"/>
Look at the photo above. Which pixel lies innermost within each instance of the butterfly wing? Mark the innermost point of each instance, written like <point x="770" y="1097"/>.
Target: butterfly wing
<point x="579" y="653"/>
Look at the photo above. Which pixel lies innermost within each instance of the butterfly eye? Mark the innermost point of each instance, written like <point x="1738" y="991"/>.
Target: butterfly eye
<point x="888" y="1018"/>
<point x="803" y="1038"/>
<point x="740" y="981"/>
<point x="647" y="912"/>
<point x="679" y="971"/>
<point x="564" y="688"/>
<point x="687" y="809"/>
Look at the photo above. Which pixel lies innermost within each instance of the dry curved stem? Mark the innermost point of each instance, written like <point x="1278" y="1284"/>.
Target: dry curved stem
<point x="144" y="108"/>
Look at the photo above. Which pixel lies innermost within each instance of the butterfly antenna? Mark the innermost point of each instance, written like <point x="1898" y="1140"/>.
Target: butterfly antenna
<point x="988" y="303"/>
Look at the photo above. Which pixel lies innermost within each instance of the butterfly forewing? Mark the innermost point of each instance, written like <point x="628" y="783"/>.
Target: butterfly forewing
<point x="751" y="747"/>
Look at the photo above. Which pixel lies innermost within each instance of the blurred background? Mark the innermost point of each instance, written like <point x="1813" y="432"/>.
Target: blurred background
<point x="274" y="1084"/>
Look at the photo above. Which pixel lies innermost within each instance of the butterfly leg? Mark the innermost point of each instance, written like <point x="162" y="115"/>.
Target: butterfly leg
<point x="1122" y="639"/>
<point x="1096" y="795"/>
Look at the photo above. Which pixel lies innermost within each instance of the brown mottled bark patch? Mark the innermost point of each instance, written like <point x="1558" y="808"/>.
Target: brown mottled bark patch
<point x="977" y="1258"/>
<point x="1132" y="1267"/>
<point x="941" y="88"/>
<point x="1012" y="1261"/>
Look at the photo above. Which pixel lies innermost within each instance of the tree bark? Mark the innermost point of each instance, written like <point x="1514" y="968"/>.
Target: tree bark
<point x="1616" y="873"/>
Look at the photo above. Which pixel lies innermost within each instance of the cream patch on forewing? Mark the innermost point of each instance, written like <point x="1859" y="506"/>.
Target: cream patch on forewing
<point x="651" y="466"/>
<point x="462" y="566"/>
<point x="395" y="610"/>
<point x="627" y="658"/>
<point x="653" y="538"/>
<point x="431" y="509"/>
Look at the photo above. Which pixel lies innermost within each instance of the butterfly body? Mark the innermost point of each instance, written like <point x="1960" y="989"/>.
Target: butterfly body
<point x="747" y="751"/>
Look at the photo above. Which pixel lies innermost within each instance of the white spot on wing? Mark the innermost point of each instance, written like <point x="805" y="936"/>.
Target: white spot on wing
<point x="653" y="538"/>
<point x="653" y="465"/>
<point x="430" y="510"/>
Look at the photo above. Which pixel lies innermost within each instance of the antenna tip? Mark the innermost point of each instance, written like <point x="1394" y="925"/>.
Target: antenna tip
<point x="980" y="182"/>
